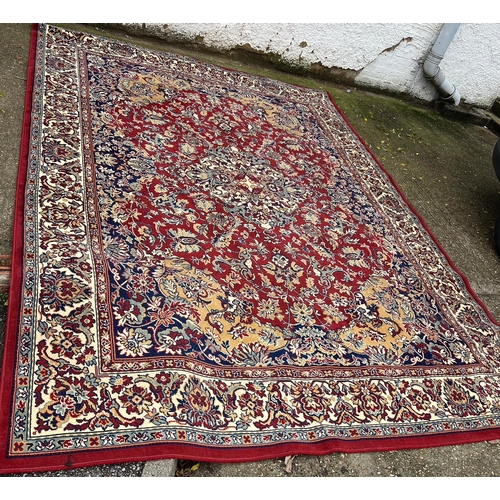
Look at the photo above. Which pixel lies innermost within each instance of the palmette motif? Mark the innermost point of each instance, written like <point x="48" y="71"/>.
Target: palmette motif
<point x="214" y="258"/>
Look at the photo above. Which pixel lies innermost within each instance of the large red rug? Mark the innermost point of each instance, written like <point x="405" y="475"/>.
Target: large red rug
<point x="211" y="265"/>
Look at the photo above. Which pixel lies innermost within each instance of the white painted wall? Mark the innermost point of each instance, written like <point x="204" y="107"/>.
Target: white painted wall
<point x="473" y="62"/>
<point x="387" y="56"/>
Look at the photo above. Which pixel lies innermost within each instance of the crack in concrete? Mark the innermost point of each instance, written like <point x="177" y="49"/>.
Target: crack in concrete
<point x="408" y="39"/>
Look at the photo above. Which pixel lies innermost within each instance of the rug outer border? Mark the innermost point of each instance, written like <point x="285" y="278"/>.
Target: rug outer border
<point x="66" y="461"/>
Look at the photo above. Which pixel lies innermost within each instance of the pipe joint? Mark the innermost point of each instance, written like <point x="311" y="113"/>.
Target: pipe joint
<point x="433" y="72"/>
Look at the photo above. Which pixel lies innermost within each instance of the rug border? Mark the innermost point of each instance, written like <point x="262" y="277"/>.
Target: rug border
<point x="66" y="461"/>
<point x="11" y="338"/>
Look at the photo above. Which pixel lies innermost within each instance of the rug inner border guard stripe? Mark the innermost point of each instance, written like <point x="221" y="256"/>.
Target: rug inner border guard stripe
<point x="213" y="266"/>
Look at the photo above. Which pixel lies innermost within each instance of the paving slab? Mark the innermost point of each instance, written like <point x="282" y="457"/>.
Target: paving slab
<point x="15" y="40"/>
<point x="443" y="167"/>
<point x="160" y="468"/>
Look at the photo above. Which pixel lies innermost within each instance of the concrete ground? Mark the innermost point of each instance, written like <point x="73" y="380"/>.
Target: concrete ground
<point x="442" y="165"/>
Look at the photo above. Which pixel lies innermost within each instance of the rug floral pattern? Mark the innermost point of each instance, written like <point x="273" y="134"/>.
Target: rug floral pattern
<point x="214" y="258"/>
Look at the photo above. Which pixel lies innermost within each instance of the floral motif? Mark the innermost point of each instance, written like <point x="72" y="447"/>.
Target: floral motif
<point x="134" y="342"/>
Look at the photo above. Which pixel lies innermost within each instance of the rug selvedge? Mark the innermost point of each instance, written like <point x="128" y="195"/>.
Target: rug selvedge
<point x="214" y="258"/>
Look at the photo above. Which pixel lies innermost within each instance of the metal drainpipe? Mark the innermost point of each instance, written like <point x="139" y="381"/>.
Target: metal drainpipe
<point x="433" y="72"/>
